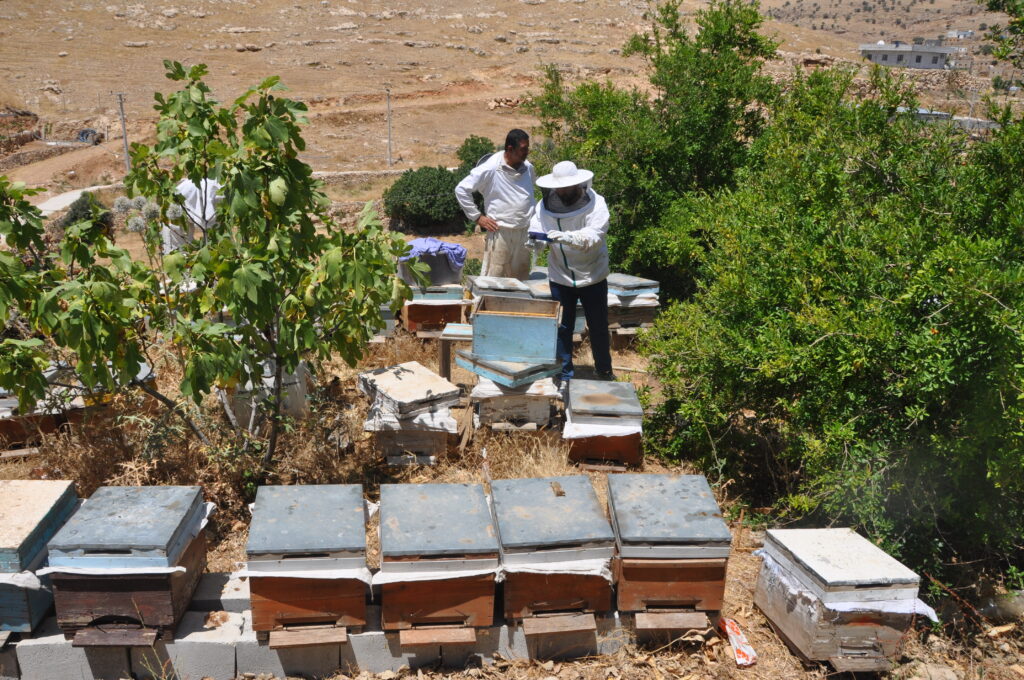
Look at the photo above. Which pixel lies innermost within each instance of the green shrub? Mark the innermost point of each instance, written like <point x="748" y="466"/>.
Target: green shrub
<point x="709" y="102"/>
<point x="854" y="350"/>
<point x="422" y="198"/>
<point x="472" y="150"/>
<point x="472" y="267"/>
<point x="87" y="208"/>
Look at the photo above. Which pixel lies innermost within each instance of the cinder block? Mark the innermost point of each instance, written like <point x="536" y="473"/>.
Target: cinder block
<point x="562" y="646"/>
<point x="221" y="592"/>
<point x="376" y="652"/>
<point x="9" y="662"/>
<point x="48" y="656"/>
<point x="197" y="651"/>
<point x="512" y="642"/>
<point x="612" y="635"/>
<point x="253" y="657"/>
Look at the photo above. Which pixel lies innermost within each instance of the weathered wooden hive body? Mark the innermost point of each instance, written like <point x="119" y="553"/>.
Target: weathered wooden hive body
<point x="439" y="555"/>
<point x="128" y="560"/>
<point x="507" y="373"/>
<point x="432" y="314"/>
<point x="529" y="404"/>
<point x="540" y="289"/>
<point x="673" y="543"/>
<point x="515" y="329"/>
<point x="632" y="302"/>
<point x="410" y="415"/>
<point x="31" y="512"/>
<point x="556" y="546"/>
<point x="603" y="422"/>
<point x="306" y="560"/>
<point x="835" y="596"/>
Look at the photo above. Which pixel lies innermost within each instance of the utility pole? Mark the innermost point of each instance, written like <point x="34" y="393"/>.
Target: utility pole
<point x="387" y="89"/>
<point x="124" y="132"/>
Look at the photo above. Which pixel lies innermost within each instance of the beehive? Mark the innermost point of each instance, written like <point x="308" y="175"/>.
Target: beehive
<point x="507" y="373"/>
<point x="835" y="596"/>
<point x="31" y="512"/>
<point x="548" y="528"/>
<point x="150" y="541"/>
<point x="436" y="528"/>
<point x="515" y="329"/>
<point x="604" y="422"/>
<point x="306" y="548"/>
<point x="673" y="543"/>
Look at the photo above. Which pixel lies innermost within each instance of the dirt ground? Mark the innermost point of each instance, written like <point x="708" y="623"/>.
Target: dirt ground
<point x="453" y="68"/>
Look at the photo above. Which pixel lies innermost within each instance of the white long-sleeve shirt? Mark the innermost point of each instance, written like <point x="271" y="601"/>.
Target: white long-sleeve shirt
<point x="582" y="260"/>
<point x="507" y="192"/>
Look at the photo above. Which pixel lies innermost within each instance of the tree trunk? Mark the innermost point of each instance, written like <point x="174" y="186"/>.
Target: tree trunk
<point x="174" y="408"/>
<point x="275" y="416"/>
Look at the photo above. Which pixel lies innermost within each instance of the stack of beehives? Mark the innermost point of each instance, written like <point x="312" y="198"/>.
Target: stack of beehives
<point x="411" y="413"/>
<point x="603" y="422"/>
<point x="632" y="302"/>
<point x="524" y="408"/>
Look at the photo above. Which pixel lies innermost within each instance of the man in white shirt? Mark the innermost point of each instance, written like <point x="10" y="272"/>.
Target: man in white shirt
<point x="505" y="180"/>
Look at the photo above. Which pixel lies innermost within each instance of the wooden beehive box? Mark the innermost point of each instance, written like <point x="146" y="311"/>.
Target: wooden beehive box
<point x="673" y="543"/>
<point x="431" y="315"/>
<point x="530" y="403"/>
<point x="515" y="329"/>
<point x="499" y="286"/>
<point x="408" y="389"/>
<point x="507" y="373"/>
<point x="545" y="524"/>
<point x="603" y="422"/>
<point x="823" y="590"/>
<point x="625" y="285"/>
<point x="540" y="289"/>
<point x="150" y="540"/>
<point x="436" y="528"/>
<point x="307" y="543"/>
<point x="31" y="512"/>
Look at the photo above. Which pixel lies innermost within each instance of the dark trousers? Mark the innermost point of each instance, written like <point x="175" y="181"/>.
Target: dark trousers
<point x="594" y="299"/>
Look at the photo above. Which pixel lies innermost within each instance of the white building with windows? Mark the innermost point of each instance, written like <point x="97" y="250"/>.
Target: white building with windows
<point x="909" y="56"/>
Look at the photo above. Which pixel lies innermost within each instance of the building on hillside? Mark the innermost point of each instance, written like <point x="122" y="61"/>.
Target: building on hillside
<point x="960" y="35"/>
<point x="909" y="56"/>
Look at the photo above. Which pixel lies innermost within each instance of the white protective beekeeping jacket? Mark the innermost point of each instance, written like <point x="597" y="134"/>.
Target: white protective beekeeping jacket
<point x="200" y="208"/>
<point x="582" y="258"/>
<point x="507" y="192"/>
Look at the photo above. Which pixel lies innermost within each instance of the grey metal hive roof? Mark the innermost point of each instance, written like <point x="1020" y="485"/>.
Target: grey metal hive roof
<point x="839" y="557"/>
<point x="131" y="518"/>
<point x="603" y="398"/>
<point x="308" y="519"/>
<point x="666" y="509"/>
<point x="549" y="512"/>
<point x="434" y="520"/>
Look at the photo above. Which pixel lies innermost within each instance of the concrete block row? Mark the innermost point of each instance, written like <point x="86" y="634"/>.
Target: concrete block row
<point x="221" y="645"/>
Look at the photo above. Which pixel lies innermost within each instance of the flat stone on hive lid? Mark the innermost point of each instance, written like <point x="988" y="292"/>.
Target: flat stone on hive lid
<point x="838" y="558"/>
<point x="313" y="518"/>
<point x="604" y="398"/>
<point x="435" y="520"/>
<point x="665" y="510"/>
<point x="127" y="525"/>
<point x="549" y="513"/>
<point x="31" y="512"/>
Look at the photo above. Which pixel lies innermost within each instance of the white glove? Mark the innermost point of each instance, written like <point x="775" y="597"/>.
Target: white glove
<point x="566" y="238"/>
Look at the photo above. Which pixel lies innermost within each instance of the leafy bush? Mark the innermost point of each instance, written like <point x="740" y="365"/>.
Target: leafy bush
<point x="423" y="197"/>
<point x="87" y="208"/>
<point x="854" y="350"/>
<point x="472" y="150"/>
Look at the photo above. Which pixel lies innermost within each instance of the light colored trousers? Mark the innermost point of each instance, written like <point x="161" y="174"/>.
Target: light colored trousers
<point x="506" y="254"/>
